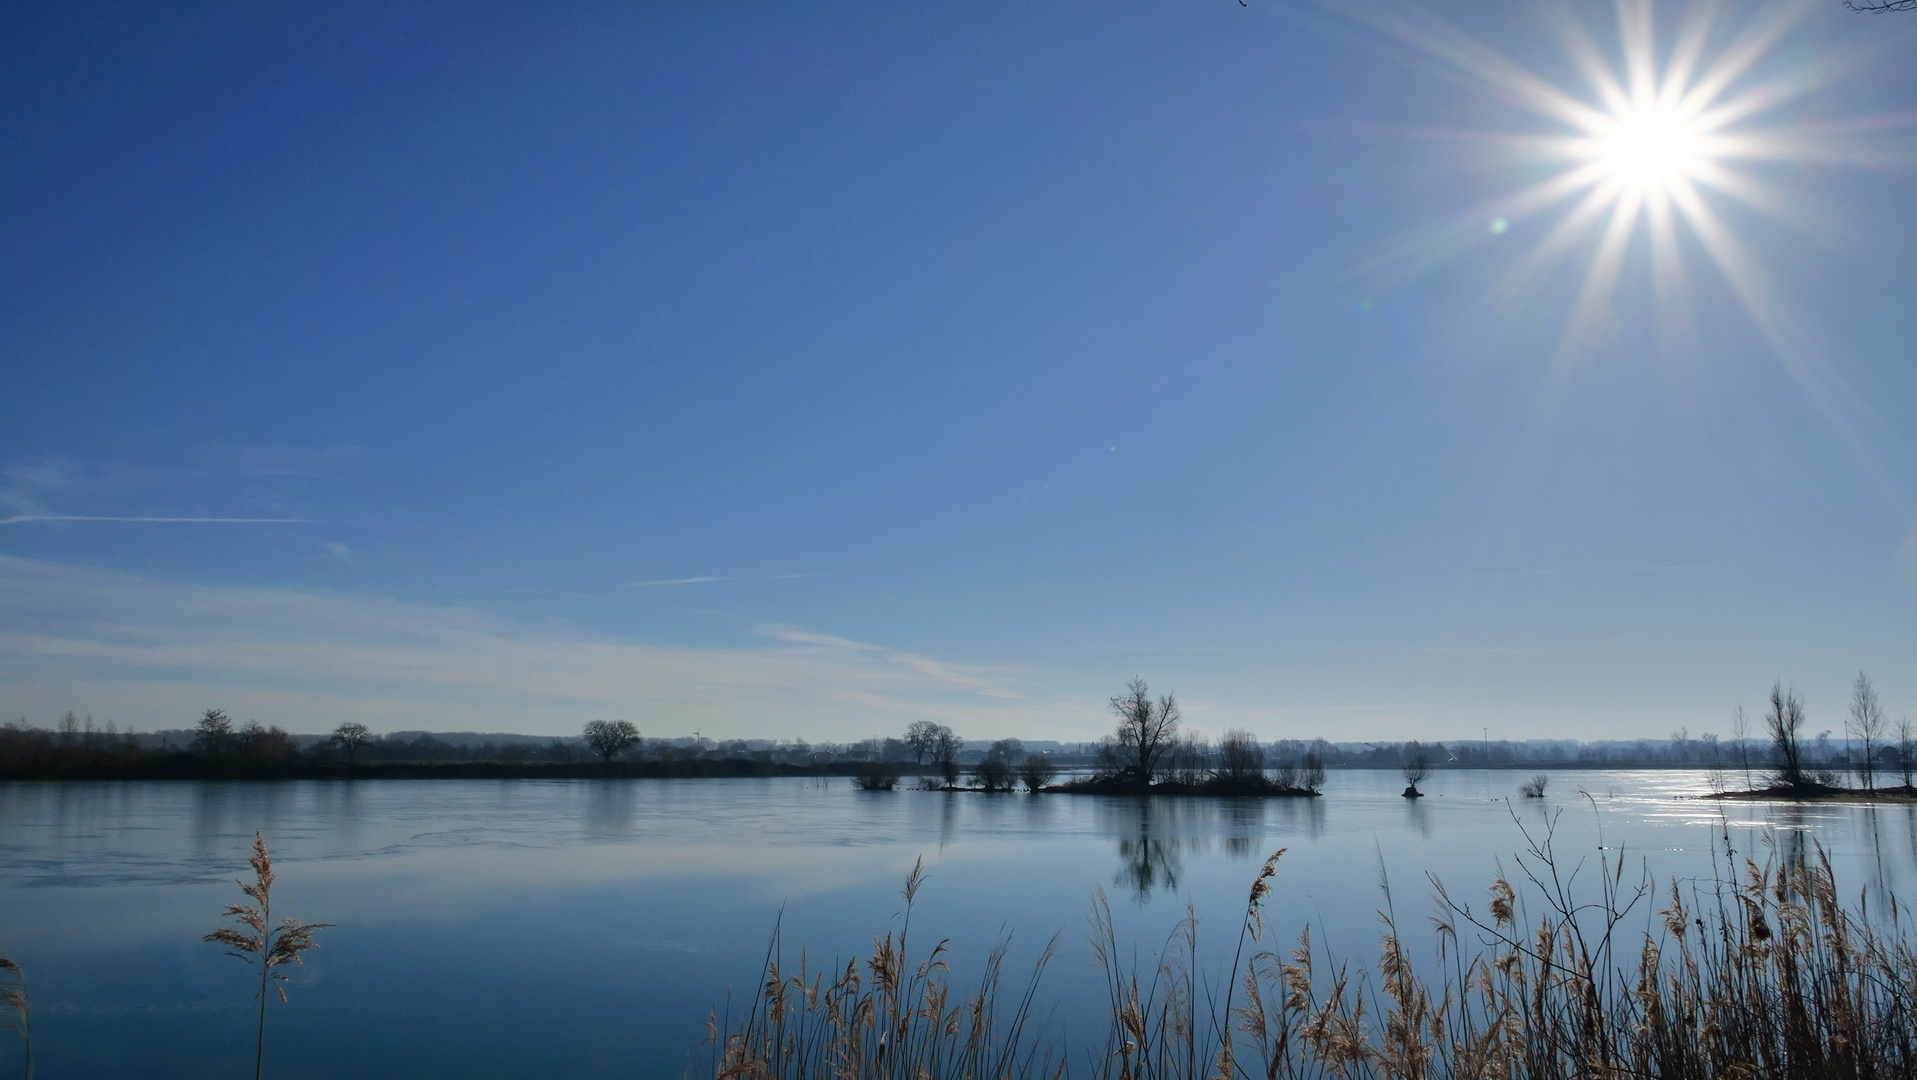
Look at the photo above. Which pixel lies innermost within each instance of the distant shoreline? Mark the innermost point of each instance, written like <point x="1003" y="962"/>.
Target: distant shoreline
<point x="194" y="767"/>
<point x="1899" y="794"/>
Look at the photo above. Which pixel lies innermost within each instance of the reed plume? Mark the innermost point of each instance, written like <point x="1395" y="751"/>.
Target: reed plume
<point x="1760" y="970"/>
<point x="258" y="941"/>
<point x="899" y="1019"/>
<point x="16" y="1007"/>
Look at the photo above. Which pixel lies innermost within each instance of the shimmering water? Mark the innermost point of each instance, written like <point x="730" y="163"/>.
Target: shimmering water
<point x="585" y="928"/>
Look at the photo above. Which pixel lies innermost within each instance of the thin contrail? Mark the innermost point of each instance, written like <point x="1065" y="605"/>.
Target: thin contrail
<point x="20" y="519"/>
<point x="1614" y="569"/>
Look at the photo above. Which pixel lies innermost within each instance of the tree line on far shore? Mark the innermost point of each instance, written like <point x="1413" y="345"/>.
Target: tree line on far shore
<point x="1149" y="747"/>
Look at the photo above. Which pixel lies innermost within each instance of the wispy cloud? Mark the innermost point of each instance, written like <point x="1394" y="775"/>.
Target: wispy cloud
<point x="245" y="477"/>
<point x="713" y="577"/>
<point x="1614" y="569"/>
<point x="953" y="674"/>
<point x="154" y="653"/>
<point x="22" y="519"/>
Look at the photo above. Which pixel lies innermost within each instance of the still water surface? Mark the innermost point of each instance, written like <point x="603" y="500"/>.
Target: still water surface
<point x="585" y="928"/>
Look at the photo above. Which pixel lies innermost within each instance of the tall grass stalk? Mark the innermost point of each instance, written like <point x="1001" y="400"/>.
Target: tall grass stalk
<point x="16" y="1007"/>
<point x="258" y="941"/>
<point x="900" y="1019"/>
<point x="1760" y="971"/>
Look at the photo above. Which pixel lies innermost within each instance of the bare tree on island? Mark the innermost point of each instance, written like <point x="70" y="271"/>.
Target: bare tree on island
<point x="945" y="750"/>
<point x="1866" y="724"/>
<point x="1414" y="764"/>
<point x="258" y="941"/>
<point x="1241" y="760"/>
<point x="610" y="738"/>
<point x="1037" y="771"/>
<point x="1785" y="723"/>
<point x="1741" y="731"/>
<point x="1146" y="731"/>
<point x="922" y="738"/>
<point x="1906" y="749"/>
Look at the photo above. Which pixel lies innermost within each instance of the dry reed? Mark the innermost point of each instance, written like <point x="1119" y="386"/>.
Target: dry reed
<point x="16" y="1007"/>
<point x="1762" y="972"/>
<point x="900" y="1020"/>
<point x="259" y="942"/>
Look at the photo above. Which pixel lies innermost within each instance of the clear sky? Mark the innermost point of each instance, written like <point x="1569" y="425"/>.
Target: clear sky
<point x="805" y="370"/>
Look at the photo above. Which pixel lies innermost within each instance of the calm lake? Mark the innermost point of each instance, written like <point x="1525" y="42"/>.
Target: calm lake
<point x="585" y="928"/>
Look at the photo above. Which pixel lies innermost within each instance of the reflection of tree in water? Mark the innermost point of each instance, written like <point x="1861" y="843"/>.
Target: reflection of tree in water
<point x="1153" y="836"/>
<point x="1146" y="863"/>
<point x="611" y="810"/>
<point x="1245" y="823"/>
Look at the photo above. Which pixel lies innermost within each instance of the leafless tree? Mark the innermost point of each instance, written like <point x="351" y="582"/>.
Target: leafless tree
<point x="1906" y="749"/>
<point x="1741" y="731"/>
<point x="351" y="737"/>
<point x="995" y="774"/>
<point x="945" y="750"/>
<point x="1146" y="731"/>
<point x="1414" y="764"/>
<point x="1037" y="771"/>
<point x="922" y="737"/>
<point x="1785" y="724"/>
<point x="1881" y="7"/>
<point x="610" y="738"/>
<point x="1866" y="725"/>
<point x="1240" y="758"/>
<point x="1311" y="772"/>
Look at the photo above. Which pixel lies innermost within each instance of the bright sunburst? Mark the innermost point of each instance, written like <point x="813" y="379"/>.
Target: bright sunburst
<point x="1650" y="148"/>
<point x="1659" y="138"/>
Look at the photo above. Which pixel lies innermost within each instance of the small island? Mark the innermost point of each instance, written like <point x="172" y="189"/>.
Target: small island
<point x="1792" y="776"/>
<point x="1148" y="756"/>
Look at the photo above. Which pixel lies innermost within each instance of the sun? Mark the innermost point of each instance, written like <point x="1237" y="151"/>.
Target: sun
<point x="1649" y="148"/>
<point x="1661" y="139"/>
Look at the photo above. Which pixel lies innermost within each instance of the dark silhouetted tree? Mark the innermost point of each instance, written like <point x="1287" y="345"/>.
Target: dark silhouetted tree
<point x="1866" y="725"/>
<point x="1037" y="771"/>
<point x="351" y="738"/>
<point x="1147" y="729"/>
<point x="213" y="735"/>
<point x="922" y="738"/>
<point x="1906" y="749"/>
<point x="1414" y="764"/>
<point x="945" y="751"/>
<point x="1240" y="758"/>
<point x="1785" y="724"/>
<point x="610" y="738"/>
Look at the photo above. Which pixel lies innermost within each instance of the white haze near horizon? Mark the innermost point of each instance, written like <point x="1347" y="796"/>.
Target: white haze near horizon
<point x="149" y="654"/>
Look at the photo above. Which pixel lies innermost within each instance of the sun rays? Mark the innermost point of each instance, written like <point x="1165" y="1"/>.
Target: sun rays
<point x="1661" y="146"/>
<point x="1667" y="132"/>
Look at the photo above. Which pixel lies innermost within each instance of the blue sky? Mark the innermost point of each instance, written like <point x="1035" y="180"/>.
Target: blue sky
<point x="807" y="370"/>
